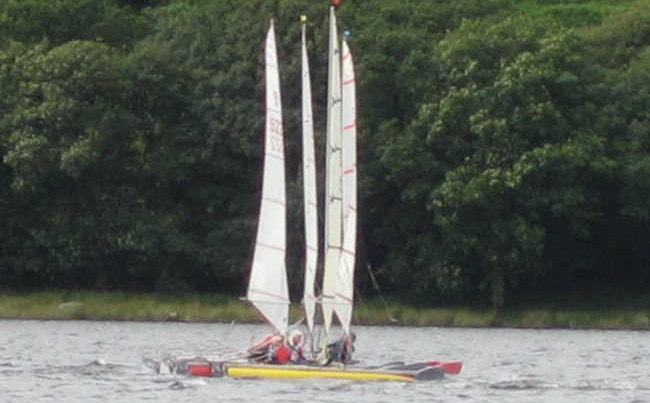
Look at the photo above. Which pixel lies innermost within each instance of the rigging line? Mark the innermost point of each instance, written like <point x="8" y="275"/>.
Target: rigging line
<point x="299" y="322"/>
<point x="362" y="305"/>
<point x="375" y="284"/>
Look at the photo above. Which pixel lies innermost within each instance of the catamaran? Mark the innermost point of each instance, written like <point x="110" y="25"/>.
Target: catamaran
<point x="268" y="288"/>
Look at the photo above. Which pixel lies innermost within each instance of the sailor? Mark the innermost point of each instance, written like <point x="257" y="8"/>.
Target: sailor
<point x="275" y="349"/>
<point x="340" y="351"/>
<point x="279" y="354"/>
<point x="263" y="350"/>
<point x="296" y="342"/>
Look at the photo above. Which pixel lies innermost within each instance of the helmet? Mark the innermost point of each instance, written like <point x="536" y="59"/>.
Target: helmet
<point x="295" y="338"/>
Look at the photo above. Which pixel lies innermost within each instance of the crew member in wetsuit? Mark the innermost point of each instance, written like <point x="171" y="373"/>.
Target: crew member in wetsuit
<point x="340" y="351"/>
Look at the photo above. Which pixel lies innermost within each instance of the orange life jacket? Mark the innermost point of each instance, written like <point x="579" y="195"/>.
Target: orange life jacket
<point x="282" y="355"/>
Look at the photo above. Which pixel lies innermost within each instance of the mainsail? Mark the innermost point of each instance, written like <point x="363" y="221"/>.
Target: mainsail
<point x="333" y="186"/>
<point x="268" y="290"/>
<point x="267" y="287"/>
<point x="309" y="189"/>
<point x="345" y="282"/>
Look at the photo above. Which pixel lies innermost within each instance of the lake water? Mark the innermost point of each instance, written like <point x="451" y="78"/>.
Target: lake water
<point x="87" y="361"/>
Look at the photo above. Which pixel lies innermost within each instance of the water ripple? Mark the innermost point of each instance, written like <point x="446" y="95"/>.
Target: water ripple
<point x="84" y="362"/>
<point x="522" y="384"/>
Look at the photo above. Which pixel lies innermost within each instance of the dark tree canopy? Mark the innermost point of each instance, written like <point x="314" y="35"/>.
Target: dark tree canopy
<point x="504" y="150"/>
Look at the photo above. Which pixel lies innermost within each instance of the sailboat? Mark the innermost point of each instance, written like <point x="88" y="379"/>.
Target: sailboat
<point x="270" y="296"/>
<point x="268" y="289"/>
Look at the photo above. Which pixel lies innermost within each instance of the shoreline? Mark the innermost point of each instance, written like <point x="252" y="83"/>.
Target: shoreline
<point x="198" y="308"/>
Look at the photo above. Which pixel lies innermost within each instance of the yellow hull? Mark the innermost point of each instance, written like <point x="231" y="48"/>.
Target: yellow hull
<point x="237" y="370"/>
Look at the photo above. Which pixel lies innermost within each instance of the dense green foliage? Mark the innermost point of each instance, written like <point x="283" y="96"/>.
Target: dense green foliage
<point x="505" y="149"/>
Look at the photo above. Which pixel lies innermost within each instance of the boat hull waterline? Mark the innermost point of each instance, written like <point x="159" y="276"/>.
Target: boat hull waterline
<point x="241" y="369"/>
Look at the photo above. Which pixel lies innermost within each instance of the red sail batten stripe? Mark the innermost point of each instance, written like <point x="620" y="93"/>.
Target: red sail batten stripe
<point x="347" y="252"/>
<point x="268" y="294"/>
<point x="271" y="247"/>
<point x="276" y="201"/>
<point x="344" y="297"/>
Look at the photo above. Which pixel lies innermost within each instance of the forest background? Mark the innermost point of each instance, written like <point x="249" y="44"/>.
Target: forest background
<point x="504" y="150"/>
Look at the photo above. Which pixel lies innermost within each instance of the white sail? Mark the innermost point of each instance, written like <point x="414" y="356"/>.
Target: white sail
<point x="333" y="186"/>
<point x="267" y="288"/>
<point x="345" y="283"/>
<point x="309" y="190"/>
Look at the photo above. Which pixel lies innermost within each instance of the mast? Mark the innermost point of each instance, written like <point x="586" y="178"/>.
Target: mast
<point x="333" y="186"/>
<point x="267" y="288"/>
<point x="309" y="187"/>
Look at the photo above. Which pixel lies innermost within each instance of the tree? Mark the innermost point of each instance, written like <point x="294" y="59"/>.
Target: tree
<point x="501" y="146"/>
<point x="58" y="22"/>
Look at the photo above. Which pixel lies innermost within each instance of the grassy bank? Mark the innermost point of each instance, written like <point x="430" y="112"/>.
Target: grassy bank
<point x="216" y="308"/>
